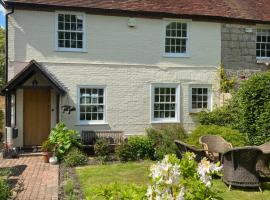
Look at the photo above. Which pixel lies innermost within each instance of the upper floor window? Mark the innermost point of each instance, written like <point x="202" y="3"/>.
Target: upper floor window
<point x="70" y="32"/>
<point x="263" y="43"/>
<point x="176" y="39"/>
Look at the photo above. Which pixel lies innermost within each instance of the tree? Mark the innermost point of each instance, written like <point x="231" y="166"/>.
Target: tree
<point x="2" y="57"/>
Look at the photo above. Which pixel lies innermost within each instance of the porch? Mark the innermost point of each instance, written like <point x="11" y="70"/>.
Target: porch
<point x="33" y="105"/>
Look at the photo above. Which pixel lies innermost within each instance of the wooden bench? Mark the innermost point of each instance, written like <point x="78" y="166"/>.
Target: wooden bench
<point x="89" y="138"/>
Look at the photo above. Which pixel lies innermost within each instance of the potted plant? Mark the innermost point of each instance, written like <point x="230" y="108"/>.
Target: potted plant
<point x="47" y="150"/>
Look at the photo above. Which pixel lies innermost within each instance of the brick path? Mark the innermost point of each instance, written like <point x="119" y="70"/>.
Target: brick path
<point x="37" y="180"/>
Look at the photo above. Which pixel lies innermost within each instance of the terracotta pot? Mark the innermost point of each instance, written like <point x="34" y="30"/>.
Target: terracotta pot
<point x="46" y="156"/>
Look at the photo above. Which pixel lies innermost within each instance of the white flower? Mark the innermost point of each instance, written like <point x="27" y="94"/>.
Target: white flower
<point x="149" y="193"/>
<point x="181" y="195"/>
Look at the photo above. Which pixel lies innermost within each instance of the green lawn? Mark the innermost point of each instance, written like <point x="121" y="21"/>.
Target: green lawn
<point x="137" y="173"/>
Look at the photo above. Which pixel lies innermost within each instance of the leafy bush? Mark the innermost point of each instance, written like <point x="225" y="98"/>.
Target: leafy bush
<point x="253" y="100"/>
<point x="136" y="148"/>
<point x="223" y="116"/>
<point x="5" y="190"/>
<point x="69" y="186"/>
<point x="163" y="139"/>
<point x="64" y="139"/>
<point x="176" y="179"/>
<point x="75" y="157"/>
<point x="102" y="149"/>
<point x="232" y="136"/>
<point x="47" y="146"/>
<point x="119" y="191"/>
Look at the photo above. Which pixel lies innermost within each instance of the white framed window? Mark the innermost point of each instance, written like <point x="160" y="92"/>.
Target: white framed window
<point x="165" y="103"/>
<point x="200" y="98"/>
<point x="70" y="32"/>
<point x="91" y="104"/>
<point x="263" y="43"/>
<point x="176" y="38"/>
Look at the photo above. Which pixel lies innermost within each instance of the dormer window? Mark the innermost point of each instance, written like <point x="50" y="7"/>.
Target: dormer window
<point x="176" y="39"/>
<point x="70" y="32"/>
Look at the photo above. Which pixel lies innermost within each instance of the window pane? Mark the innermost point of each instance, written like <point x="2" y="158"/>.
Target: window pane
<point x="91" y="104"/>
<point x="164" y="103"/>
<point x="73" y="35"/>
<point x="199" y="98"/>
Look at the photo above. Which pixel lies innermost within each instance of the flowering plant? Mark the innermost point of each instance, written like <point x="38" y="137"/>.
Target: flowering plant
<point x="175" y="179"/>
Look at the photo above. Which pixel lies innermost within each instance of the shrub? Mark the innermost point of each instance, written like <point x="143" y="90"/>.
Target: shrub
<point x="223" y="116"/>
<point x="102" y="149"/>
<point x="69" y="187"/>
<point x="163" y="139"/>
<point x="64" y="139"/>
<point x="5" y="190"/>
<point x="119" y="191"/>
<point x="253" y="99"/>
<point x="75" y="157"/>
<point x="136" y="148"/>
<point x="232" y="136"/>
<point x="47" y="146"/>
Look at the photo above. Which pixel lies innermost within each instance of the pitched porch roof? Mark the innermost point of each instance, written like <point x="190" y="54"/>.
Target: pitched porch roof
<point x="32" y="68"/>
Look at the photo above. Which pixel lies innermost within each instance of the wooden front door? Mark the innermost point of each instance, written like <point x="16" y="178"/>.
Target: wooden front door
<point x="36" y="115"/>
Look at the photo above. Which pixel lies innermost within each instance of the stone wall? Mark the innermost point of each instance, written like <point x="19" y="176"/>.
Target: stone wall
<point x="238" y="50"/>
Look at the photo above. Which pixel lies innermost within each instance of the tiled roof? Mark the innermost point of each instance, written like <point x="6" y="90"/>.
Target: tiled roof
<point x="255" y="10"/>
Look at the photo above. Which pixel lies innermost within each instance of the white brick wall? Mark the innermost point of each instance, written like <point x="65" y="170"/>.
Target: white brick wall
<point x="125" y="60"/>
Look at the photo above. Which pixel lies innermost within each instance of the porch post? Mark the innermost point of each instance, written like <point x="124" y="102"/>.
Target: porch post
<point x="8" y="109"/>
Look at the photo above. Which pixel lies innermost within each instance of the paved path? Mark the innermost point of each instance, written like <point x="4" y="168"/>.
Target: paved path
<point x="36" y="179"/>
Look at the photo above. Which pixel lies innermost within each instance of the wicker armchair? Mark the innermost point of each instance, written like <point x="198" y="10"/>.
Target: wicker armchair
<point x="263" y="162"/>
<point x="183" y="148"/>
<point x="214" y="146"/>
<point x="239" y="165"/>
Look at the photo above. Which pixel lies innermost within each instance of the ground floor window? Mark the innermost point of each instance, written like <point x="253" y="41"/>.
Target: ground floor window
<point x="91" y="104"/>
<point x="165" y="102"/>
<point x="200" y="98"/>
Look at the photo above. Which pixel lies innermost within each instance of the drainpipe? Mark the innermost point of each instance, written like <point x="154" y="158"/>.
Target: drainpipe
<point x="7" y="95"/>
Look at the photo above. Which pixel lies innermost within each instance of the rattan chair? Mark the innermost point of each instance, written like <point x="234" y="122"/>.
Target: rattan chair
<point x="263" y="162"/>
<point x="183" y="148"/>
<point x="239" y="166"/>
<point x="214" y="146"/>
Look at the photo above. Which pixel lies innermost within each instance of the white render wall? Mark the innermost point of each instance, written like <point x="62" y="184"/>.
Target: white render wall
<point x="125" y="60"/>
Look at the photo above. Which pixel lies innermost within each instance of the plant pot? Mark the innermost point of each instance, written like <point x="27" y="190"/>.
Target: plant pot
<point x="46" y="156"/>
<point x="53" y="160"/>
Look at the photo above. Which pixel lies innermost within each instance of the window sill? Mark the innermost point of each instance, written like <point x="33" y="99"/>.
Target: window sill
<point x="165" y="122"/>
<point x="263" y="60"/>
<point x="91" y="123"/>
<point x="72" y="50"/>
<point x="175" y="55"/>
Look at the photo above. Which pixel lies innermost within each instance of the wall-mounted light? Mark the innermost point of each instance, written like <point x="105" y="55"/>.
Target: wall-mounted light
<point x="34" y="83"/>
<point x="132" y="22"/>
<point x="248" y="30"/>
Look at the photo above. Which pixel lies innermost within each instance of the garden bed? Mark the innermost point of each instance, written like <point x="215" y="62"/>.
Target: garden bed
<point x="69" y="186"/>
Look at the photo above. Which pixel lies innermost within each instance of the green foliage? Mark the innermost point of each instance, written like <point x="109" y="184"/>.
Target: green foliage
<point x="226" y="84"/>
<point x="47" y="146"/>
<point x="2" y="58"/>
<point x="119" y="191"/>
<point x="164" y="138"/>
<point x="5" y="190"/>
<point x="102" y="149"/>
<point x="64" y="139"/>
<point x="232" y="136"/>
<point x="136" y="148"/>
<point x="223" y="116"/>
<point x="75" y="157"/>
<point x="69" y="186"/>
<point x="253" y="100"/>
